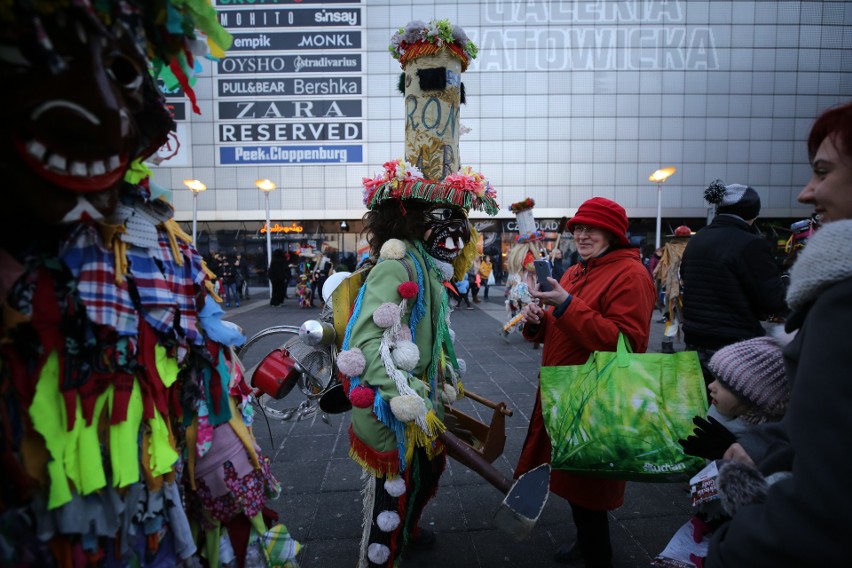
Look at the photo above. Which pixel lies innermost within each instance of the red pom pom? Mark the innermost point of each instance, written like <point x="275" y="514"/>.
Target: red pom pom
<point x="362" y="397"/>
<point x="408" y="289"/>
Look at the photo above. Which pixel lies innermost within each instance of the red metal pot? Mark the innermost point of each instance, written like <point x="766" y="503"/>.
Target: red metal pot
<point x="276" y="375"/>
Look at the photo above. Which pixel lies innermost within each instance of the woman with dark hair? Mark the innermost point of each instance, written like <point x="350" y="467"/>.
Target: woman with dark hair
<point x="608" y="293"/>
<point x="803" y="518"/>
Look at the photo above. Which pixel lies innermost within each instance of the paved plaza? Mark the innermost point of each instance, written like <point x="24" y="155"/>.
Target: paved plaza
<point x="321" y="501"/>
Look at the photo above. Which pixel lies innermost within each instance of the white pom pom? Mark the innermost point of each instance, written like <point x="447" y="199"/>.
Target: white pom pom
<point x="386" y="315"/>
<point x="449" y="394"/>
<point x="378" y="553"/>
<point x="387" y="521"/>
<point x="404" y="334"/>
<point x="351" y="362"/>
<point x="462" y="366"/>
<point x="395" y="487"/>
<point x="393" y="249"/>
<point x="452" y="336"/>
<point x="407" y="407"/>
<point x="405" y="355"/>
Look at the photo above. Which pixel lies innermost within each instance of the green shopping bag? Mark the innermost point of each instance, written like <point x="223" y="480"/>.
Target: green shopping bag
<point x="620" y="414"/>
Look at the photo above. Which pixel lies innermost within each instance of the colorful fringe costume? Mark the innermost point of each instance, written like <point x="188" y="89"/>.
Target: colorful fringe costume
<point x="126" y="421"/>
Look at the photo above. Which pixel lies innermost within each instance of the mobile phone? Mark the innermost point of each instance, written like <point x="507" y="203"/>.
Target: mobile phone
<point x="542" y="272"/>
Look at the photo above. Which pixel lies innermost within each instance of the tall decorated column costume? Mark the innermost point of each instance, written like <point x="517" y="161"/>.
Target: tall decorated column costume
<point x="397" y="358"/>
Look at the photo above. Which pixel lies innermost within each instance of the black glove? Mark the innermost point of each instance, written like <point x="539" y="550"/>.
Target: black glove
<point x="709" y="440"/>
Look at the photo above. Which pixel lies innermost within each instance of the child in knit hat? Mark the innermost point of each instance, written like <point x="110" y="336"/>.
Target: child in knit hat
<point x="750" y="384"/>
<point x="749" y="388"/>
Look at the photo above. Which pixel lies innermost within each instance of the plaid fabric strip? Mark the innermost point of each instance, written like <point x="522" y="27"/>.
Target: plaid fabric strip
<point x="182" y="282"/>
<point x="93" y="265"/>
<point x="156" y="299"/>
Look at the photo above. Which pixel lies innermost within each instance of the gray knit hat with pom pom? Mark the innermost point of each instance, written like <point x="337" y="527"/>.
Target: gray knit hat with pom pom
<point x="754" y="371"/>
<point x="734" y="199"/>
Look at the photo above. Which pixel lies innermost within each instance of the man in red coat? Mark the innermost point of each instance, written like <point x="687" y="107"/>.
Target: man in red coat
<point x="607" y="293"/>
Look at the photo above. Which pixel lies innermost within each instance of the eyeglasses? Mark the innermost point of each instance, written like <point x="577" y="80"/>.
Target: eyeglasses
<point x="580" y="229"/>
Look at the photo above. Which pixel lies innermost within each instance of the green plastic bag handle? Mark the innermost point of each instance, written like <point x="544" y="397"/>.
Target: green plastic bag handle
<point x="623" y="351"/>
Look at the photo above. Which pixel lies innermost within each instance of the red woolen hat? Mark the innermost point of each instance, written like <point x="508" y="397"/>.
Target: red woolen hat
<point x="602" y="213"/>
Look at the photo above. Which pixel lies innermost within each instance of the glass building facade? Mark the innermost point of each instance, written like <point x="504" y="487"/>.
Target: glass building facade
<point x="566" y="100"/>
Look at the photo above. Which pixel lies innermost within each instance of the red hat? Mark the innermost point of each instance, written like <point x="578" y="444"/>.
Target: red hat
<point x="602" y="213"/>
<point x="683" y="231"/>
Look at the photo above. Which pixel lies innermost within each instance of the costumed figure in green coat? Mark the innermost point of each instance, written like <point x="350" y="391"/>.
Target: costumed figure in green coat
<point x="397" y="356"/>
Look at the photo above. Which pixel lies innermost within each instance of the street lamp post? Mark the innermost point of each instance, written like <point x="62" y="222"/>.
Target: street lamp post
<point x="266" y="186"/>
<point x="659" y="177"/>
<point x="195" y="187"/>
<point x="344" y="228"/>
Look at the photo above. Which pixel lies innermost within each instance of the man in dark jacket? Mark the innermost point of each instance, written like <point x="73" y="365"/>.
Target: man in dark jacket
<point x="229" y="279"/>
<point x="730" y="280"/>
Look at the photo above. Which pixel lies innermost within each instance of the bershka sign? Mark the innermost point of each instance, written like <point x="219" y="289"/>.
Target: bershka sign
<point x="290" y="86"/>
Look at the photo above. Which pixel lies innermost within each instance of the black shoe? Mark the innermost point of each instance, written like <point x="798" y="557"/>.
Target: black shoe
<point x="568" y="553"/>
<point x="424" y="540"/>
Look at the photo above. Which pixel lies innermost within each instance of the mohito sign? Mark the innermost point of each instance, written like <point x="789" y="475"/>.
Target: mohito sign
<point x="283" y="18"/>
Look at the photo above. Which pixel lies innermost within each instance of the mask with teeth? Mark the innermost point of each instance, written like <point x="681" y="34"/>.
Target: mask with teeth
<point x="447" y="232"/>
<point x="78" y="107"/>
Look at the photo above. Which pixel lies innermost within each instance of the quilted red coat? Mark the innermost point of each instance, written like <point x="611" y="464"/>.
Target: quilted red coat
<point x="612" y="293"/>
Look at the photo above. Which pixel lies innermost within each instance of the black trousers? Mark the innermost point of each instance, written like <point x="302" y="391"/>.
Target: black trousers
<point x="421" y="483"/>
<point x="279" y="292"/>
<point x="593" y="536"/>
